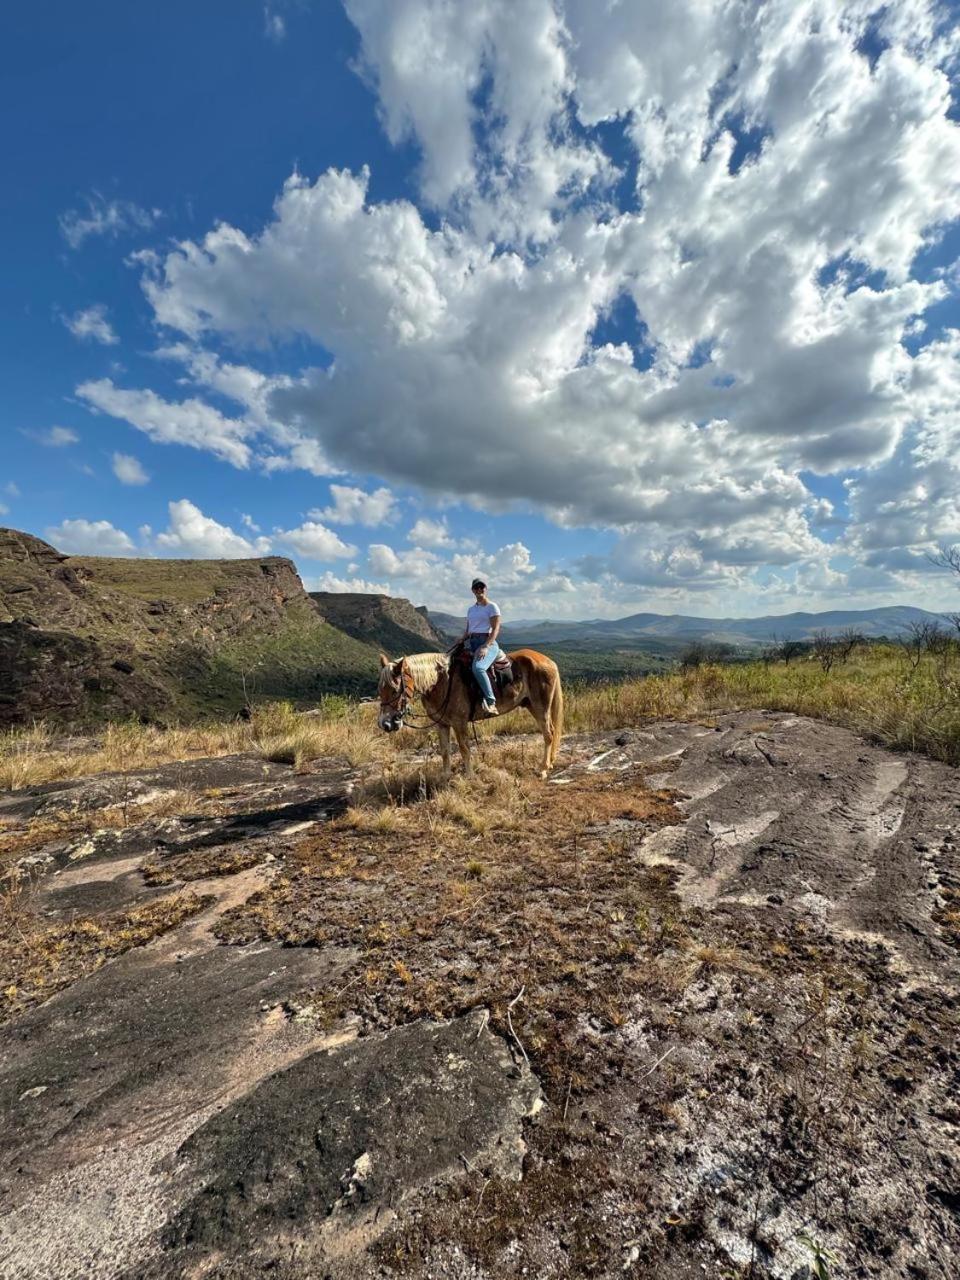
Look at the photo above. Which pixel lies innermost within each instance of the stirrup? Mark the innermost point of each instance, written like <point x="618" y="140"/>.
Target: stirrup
<point x="490" y="709"/>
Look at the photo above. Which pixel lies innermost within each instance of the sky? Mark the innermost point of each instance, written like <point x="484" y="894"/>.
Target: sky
<point x="621" y="305"/>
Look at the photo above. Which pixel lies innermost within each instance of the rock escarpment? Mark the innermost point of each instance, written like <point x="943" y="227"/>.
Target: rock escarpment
<point x="85" y="638"/>
<point x="393" y="624"/>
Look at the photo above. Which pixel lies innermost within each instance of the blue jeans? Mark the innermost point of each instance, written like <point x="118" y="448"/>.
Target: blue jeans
<point x="480" y="665"/>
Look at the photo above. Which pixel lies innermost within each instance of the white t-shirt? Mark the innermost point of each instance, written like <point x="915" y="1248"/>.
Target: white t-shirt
<point x="480" y="618"/>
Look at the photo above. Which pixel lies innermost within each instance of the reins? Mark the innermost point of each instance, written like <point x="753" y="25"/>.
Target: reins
<point x="435" y="722"/>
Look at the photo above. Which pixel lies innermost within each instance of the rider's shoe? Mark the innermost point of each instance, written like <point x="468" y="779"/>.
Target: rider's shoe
<point x="490" y="708"/>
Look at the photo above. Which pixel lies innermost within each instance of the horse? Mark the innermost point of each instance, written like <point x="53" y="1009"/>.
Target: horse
<point x="448" y="701"/>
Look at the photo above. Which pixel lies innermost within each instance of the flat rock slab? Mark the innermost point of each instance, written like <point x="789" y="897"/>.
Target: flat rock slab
<point x="325" y="1151"/>
<point x="138" y="787"/>
<point x="787" y="814"/>
<point x="103" y="1081"/>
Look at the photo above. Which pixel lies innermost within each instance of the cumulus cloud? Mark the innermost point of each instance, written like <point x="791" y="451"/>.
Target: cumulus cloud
<point x="315" y="541"/>
<point x="128" y="469"/>
<point x="193" y="535"/>
<point x="90" y="538"/>
<point x="355" y="506"/>
<point x="430" y="533"/>
<point x="329" y="581"/>
<point x="281" y="446"/>
<point x="191" y="422"/>
<point x="742" y="181"/>
<point x="445" y="580"/>
<point x="102" y="217"/>
<point x="92" y="325"/>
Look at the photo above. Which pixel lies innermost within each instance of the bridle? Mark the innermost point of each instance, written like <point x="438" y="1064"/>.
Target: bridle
<point x="405" y="693"/>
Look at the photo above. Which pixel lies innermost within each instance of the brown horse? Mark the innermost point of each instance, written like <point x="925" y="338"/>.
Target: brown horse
<point x="448" y="702"/>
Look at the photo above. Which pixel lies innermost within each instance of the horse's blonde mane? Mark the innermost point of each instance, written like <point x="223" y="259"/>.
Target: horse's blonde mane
<point x="426" y="669"/>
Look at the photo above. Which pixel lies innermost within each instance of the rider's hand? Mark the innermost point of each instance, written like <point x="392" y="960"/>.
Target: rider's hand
<point x="482" y="653"/>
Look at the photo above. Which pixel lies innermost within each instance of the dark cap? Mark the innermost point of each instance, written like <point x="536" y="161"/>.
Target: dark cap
<point x="477" y="582"/>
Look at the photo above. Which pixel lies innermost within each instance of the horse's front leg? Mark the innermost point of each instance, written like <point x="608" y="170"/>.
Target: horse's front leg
<point x="463" y="742"/>
<point x="443" y="731"/>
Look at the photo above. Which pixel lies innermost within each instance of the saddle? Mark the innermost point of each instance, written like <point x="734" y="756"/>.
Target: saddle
<point x="500" y="673"/>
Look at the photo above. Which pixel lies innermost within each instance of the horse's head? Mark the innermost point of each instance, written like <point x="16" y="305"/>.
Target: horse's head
<point x="396" y="688"/>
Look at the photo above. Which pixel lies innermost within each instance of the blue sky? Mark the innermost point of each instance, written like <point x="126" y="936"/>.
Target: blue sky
<point x="496" y="288"/>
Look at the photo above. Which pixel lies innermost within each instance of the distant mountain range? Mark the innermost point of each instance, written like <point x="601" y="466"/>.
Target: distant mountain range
<point x="653" y="630"/>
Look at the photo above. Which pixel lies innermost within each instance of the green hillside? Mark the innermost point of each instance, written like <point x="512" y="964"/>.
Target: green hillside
<point x="84" y="638"/>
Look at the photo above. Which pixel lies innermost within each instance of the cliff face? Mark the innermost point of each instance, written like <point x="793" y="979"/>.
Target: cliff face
<point x="85" y="638"/>
<point x="387" y="621"/>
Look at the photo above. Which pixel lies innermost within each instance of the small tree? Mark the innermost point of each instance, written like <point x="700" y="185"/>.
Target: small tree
<point x="700" y="653"/>
<point x="826" y="649"/>
<point x="947" y="558"/>
<point x="923" y="636"/>
<point x="790" y="649"/>
<point x="847" y="641"/>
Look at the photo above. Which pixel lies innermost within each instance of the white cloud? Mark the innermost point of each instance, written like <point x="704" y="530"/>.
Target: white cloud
<point x="190" y="422"/>
<point x="92" y="325"/>
<point x="330" y="582"/>
<point x="315" y="541"/>
<point x="191" y="534"/>
<point x="4" y="509"/>
<point x="445" y="581"/>
<point x="11" y="489"/>
<point x="90" y="538"/>
<point x="430" y="533"/>
<point x="251" y="389"/>
<point x="248" y="523"/>
<point x="128" y="469"/>
<point x="773" y="280"/>
<point x="110" y="218"/>
<point x="53" y="437"/>
<point x="354" y="506"/>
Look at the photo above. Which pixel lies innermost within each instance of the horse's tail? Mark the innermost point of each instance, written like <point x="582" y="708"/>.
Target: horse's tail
<point x="556" y="719"/>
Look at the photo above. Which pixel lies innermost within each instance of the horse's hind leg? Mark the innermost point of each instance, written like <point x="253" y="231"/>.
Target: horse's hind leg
<point x="541" y="714"/>
<point x="556" y="720"/>
<point x="443" y="731"/>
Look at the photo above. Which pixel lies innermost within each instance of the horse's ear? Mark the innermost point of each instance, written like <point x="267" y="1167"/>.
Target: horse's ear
<point x="384" y="660"/>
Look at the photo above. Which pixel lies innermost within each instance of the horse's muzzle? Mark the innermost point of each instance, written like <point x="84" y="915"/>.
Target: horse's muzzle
<point x="392" y="722"/>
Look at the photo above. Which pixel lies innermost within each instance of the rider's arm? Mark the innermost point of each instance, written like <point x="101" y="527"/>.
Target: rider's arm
<point x="494" y="629"/>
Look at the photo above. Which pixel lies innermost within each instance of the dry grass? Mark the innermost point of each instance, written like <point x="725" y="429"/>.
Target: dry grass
<point x="456" y="896"/>
<point x="30" y="757"/>
<point x="877" y="693"/>
<point x="37" y="959"/>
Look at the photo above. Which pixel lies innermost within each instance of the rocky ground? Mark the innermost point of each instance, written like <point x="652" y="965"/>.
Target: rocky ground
<point x="687" y="1008"/>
